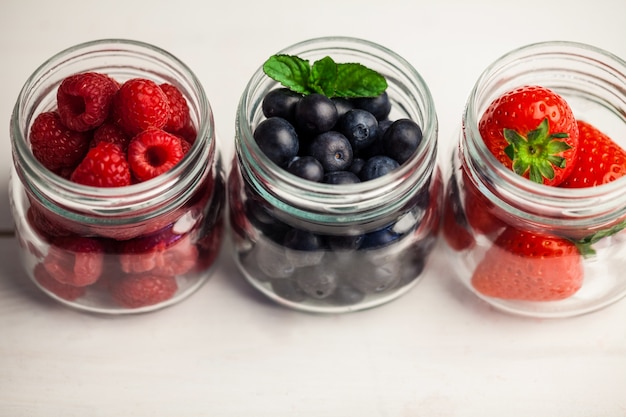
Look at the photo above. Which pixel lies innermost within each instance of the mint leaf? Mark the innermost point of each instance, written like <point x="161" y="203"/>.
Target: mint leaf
<point x="291" y="71"/>
<point x="356" y="80"/>
<point x="325" y="76"/>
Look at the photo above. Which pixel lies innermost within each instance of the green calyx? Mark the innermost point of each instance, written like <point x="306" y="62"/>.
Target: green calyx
<point x="536" y="154"/>
<point x="325" y="77"/>
<point x="585" y="245"/>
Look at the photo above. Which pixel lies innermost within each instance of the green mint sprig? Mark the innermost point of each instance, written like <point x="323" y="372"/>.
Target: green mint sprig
<point x="325" y="77"/>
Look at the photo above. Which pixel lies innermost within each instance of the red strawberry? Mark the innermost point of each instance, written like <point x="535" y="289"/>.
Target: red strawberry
<point x="454" y="223"/>
<point x="104" y="165"/>
<point x="84" y="100"/>
<point x="64" y="291"/>
<point x="600" y="160"/>
<point x="179" y="110"/>
<point x="532" y="130"/>
<point x="480" y="211"/>
<point x="54" y="145"/>
<point x="75" y="260"/>
<point x="135" y="291"/>
<point x="529" y="266"/>
<point x="153" y="152"/>
<point x="140" y="104"/>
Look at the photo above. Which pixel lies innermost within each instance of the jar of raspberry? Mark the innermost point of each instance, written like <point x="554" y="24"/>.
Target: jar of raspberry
<point x="117" y="189"/>
<point x="535" y="206"/>
<point x="346" y="221"/>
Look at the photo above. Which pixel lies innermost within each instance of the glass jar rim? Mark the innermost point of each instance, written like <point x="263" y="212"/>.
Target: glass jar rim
<point x="577" y="202"/>
<point x="114" y="200"/>
<point x="330" y="197"/>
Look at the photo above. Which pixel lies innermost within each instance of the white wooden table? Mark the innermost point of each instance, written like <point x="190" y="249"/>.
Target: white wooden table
<point x="227" y="351"/>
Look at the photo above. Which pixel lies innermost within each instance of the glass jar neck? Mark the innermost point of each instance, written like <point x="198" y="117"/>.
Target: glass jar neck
<point x="332" y="204"/>
<point x="593" y="82"/>
<point x="125" y="59"/>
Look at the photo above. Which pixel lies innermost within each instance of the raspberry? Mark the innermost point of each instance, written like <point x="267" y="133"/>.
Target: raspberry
<point x="153" y="152"/>
<point x="136" y="291"/>
<point x="84" y="100"/>
<point x="45" y="226"/>
<point x="64" y="291"/>
<point x="75" y="260"/>
<point x="163" y="253"/>
<point x="110" y="132"/>
<point x="188" y="132"/>
<point x="140" y="104"/>
<point x="179" y="110"/>
<point x="104" y="166"/>
<point x="54" y="145"/>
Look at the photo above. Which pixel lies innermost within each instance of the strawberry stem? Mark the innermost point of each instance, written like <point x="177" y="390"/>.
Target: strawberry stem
<point x="536" y="154"/>
<point x="584" y="245"/>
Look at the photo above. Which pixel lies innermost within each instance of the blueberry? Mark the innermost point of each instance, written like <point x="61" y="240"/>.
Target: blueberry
<point x="341" y="177"/>
<point x="303" y="248"/>
<point x="343" y="105"/>
<point x="379" y="238"/>
<point x="401" y="139"/>
<point x="288" y="289"/>
<point x="379" y="106"/>
<point x="272" y="261"/>
<point x="344" y="242"/>
<point x="333" y="151"/>
<point x="356" y="166"/>
<point x="280" y="102"/>
<point x="376" y="279"/>
<point x="346" y="295"/>
<point x="317" y="281"/>
<point x="306" y="167"/>
<point x="315" y="113"/>
<point x="377" y="166"/>
<point x="278" y="139"/>
<point x="360" y="127"/>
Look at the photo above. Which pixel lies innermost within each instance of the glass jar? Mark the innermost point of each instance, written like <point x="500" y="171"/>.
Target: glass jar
<point x="484" y="199"/>
<point x="126" y="249"/>
<point x="356" y="246"/>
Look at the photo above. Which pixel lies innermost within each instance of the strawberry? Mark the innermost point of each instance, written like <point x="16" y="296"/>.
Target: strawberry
<point x="532" y="131"/>
<point x="454" y="223"/>
<point x="104" y="165"/>
<point x="136" y="291"/>
<point x="600" y="159"/>
<point x="529" y="266"/>
<point x="479" y="210"/>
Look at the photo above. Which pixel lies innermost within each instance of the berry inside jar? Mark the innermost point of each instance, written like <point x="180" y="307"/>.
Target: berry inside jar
<point x="332" y="123"/>
<point x="114" y="134"/>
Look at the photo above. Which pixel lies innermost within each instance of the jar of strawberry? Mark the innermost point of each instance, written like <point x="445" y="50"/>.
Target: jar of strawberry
<point x="535" y="206"/>
<point x="117" y="189"/>
<point x="334" y="190"/>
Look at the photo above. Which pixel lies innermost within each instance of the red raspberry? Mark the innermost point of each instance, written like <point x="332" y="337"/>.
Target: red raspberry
<point x="104" y="165"/>
<point x="84" y="100"/>
<point x="46" y="227"/>
<point x="54" y="145"/>
<point x="153" y="152"/>
<point x="110" y="132"/>
<point x="75" y="260"/>
<point x="140" y="104"/>
<point x="163" y="253"/>
<point x="188" y="132"/>
<point x="64" y="291"/>
<point x="136" y="291"/>
<point x="179" y="110"/>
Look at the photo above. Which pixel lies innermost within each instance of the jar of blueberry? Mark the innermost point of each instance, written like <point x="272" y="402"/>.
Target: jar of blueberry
<point x="334" y="190"/>
<point x="535" y="211"/>
<point x="117" y="189"/>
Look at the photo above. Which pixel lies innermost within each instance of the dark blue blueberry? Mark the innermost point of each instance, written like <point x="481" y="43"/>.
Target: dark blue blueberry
<point x="360" y="127"/>
<point x="341" y="177"/>
<point x="343" y="105"/>
<point x="333" y="151"/>
<point x="306" y="167"/>
<point x="356" y="166"/>
<point x="379" y="106"/>
<point x="383" y="125"/>
<point x="317" y="281"/>
<point x="379" y="238"/>
<point x="401" y="139"/>
<point x="288" y="289"/>
<point x="302" y="240"/>
<point x="377" y="166"/>
<point x="278" y="139"/>
<point x="315" y="113"/>
<point x="280" y="102"/>
<point x="344" y="242"/>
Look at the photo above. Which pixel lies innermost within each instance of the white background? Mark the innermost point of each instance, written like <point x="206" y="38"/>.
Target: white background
<point x="226" y="351"/>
